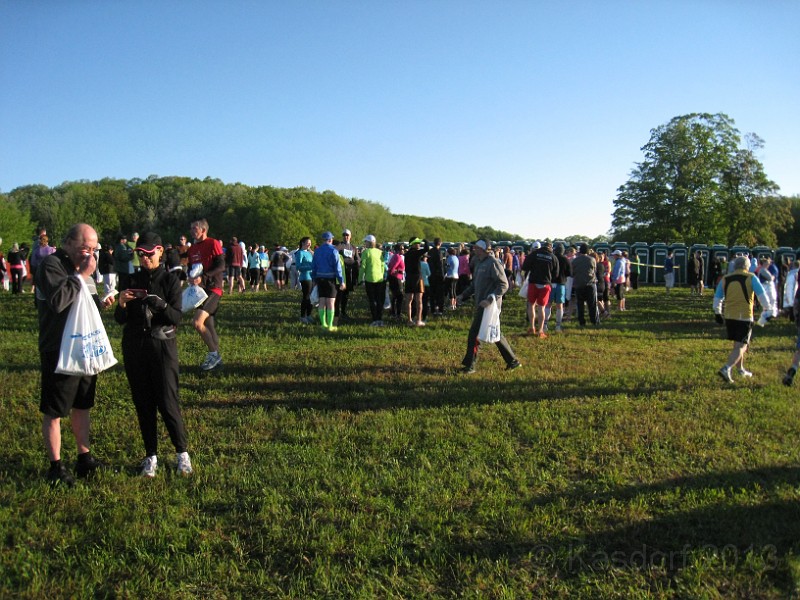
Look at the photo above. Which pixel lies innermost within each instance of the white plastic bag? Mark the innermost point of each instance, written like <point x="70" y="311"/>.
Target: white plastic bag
<point x="193" y="296"/>
<point x="85" y="347"/>
<point x="490" y="324"/>
<point x="314" y="296"/>
<point x="523" y="289"/>
<point x="387" y="301"/>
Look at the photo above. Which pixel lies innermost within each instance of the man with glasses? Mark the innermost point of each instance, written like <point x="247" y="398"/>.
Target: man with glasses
<point x="57" y="287"/>
<point x="207" y="266"/>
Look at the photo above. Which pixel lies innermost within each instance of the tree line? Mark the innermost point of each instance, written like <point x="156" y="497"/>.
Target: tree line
<point x="263" y="214"/>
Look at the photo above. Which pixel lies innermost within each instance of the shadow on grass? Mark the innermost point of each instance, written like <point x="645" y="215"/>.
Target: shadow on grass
<point x="390" y="386"/>
<point x="750" y="539"/>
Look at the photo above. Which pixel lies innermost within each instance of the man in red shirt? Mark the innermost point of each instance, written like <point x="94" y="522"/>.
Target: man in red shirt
<point x="207" y="263"/>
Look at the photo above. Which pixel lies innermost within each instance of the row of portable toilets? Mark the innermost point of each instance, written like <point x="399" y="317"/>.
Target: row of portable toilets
<point x="652" y="257"/>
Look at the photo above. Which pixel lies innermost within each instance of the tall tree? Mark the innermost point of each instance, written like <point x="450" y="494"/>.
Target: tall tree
<point x="696" y="184"/>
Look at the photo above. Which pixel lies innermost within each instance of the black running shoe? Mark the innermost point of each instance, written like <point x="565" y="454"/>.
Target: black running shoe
<point x="789" y="377"/>
<point x="59" y="476"/>
<point x="514" y="365"/>
<point x="87" y="468"/>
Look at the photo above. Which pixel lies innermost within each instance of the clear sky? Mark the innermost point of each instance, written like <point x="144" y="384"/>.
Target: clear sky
<point x="521" y="115"/>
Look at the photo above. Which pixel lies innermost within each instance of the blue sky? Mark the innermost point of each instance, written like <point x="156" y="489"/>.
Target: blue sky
<point x="524" y="116"/>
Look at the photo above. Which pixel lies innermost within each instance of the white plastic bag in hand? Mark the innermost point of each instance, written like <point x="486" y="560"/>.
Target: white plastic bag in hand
<point x="85" y="347"/>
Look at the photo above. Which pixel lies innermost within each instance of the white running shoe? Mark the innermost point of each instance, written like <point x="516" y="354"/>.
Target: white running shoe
<point x="213" y="359"/>
<point x="725" y="373"/>
<point x="744" y="372"/>
<point x="149" y="467"/>
<point x="184" y="465"/>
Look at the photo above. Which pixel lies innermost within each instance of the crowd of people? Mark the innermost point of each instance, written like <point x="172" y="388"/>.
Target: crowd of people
<point x="408" y="282"/>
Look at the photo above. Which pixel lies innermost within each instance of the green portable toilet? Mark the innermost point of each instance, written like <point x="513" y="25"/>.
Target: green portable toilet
<point x="679" y="257"/>
<point x="641" y="251"/>
<point x="658" y="254"/>
<point x="719" y="251"/>
<point x="621" y="246"/>
<point x="602" y="246"/>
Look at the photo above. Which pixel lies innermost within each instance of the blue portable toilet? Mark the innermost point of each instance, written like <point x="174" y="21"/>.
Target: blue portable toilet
<point x="718" y="252"/>
<point x="621" y="246"/>
<point x="679" y="257"/>
<point x="641" y="251"/>
<point x="760" y="252"/>
<point x="658" y="254"/>
<point x="705" y="253"/>
<point x="737" y="250"/>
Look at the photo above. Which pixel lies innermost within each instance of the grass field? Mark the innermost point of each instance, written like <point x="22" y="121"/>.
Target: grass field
<point x="362" y="464"/>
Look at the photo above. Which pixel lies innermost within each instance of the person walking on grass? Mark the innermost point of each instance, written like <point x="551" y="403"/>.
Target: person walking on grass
<point x="302" y="259"/>
<point x="584" y="282"/>
<point x="541" y="265"/>
<point x="414" y="285"/>
<point x="488" y="285"/>
<point x="207" y="266"/>
<point x="733" y="306"/>
<point x="328" y="276"/>
<point x="150" y="351"/>
<point x="57" y="287"/>
<point x="619" y="275"/>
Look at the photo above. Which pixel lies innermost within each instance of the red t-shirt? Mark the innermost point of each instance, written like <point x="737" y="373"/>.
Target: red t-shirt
<point x="204" y="253"/>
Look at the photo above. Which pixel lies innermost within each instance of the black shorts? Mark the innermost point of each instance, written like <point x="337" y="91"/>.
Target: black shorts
<point x="326" y="288"/>
<point x="211" y="305"/>
<point x="62" y="393"/>
<point x="739" y="331"/>
<point x="414" y="286"/>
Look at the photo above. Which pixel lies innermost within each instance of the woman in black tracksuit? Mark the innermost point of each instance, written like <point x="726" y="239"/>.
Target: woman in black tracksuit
<point x="150" y="310"/>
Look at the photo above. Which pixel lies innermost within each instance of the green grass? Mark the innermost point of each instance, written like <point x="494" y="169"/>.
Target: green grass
<point x="361" y="464"/>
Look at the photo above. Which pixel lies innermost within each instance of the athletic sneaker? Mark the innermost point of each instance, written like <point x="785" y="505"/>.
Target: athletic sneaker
<point x="467" y="369"/>
<point x="744" y="372"/>
<point x="59" y="476"/>
<point x="184" y="465"/>
<point x="213" y="359"/>
<point x="542" y="334"/>
<point x="725" y="373"/>
<point x="513" y="365"/>
<point x="789" y="377"/>
<point x="149" y="467"/>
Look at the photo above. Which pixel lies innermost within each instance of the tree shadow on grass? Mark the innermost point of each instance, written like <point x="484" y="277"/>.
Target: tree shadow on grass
<point x="391" y="386"/>
<point x="729" y="536"/>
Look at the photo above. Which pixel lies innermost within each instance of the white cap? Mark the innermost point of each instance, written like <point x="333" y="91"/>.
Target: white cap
<point x="616" y="253"/>
<point x="536" y="245"/>
<point x="370" y="238"/>
<point x="481" y="244"/>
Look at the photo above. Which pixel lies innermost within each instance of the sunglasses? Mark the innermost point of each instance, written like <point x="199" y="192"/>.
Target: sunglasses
<point x="141" y="252"/>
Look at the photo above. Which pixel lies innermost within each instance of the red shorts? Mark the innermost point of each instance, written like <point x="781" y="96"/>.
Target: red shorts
<point x="538" y="295"/>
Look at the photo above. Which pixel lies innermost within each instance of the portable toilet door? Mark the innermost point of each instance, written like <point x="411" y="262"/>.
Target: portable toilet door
<point x="719" y="251"/>
<point x="735" y="251"/>
<point x="620" y="246"/>
<point x="704" y="254"/>
<point x="784" y="254"/>
<point x="641" y="251"/>
<point x="679" y="257"/>
<point x="658" y="254"/>
<point x="604" y="246"/>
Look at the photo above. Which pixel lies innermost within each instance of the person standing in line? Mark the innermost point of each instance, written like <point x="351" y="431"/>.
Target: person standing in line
<point x="584" y="283"/>
<point x="414" y="285"/>
<point x="123" y="255"/>
<point x="303" y="258"/>
<point x="619" y="277"/>
<point x="541" y="265"/>
<point x="733" y="305"/>
<point x="372" y="273"/>
<point x="437" y="290"/>
<point x="135" y="265"/>
<point x="349" y="253"/>
<point x="278" y="266"/>
<point x="788" y="379"/>
<point x="57" y="288"/>
<point x="150" y="351"/>
<point x="328" y="276"/>
<point x="451" y="276"/>
<point x="488" y="285"/>
<point x="236" y="261"/>
<point x="15" y="268"/>
<point x="207" y="265"/>
<point x="397" y="275"/>
<point x="558" y="288"/>
<point x="669" y="272"/>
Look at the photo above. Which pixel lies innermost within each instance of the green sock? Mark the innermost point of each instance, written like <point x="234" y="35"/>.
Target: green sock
<point x="322" y="317"/>
<point x="330" y="317"/>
